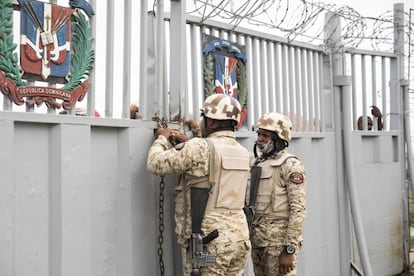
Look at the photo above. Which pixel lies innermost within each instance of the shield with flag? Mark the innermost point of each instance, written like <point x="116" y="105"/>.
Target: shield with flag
<point x="45" y="39"/>
<point x="225" y="75"/>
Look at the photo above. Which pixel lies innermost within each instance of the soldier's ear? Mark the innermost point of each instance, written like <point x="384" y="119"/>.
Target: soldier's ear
<point x="210" y="122"/>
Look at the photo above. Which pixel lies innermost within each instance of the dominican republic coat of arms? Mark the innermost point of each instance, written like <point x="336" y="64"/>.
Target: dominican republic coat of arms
<point x="55" y="47"/>
<point x="225" y="70"/>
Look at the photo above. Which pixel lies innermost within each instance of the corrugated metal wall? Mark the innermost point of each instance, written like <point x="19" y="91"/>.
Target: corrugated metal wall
<point x="76" y="198"/>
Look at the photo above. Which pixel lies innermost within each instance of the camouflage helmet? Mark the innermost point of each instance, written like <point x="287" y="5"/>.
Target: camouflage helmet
<point x="222" y="107"/>
<point x="278" y="123"/>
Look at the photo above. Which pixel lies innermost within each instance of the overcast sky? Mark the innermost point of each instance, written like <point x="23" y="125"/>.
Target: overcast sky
<point x="372" y="8"/>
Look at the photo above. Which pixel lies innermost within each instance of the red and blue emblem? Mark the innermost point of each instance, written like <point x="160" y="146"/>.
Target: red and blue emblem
<point x="226" y="75"/>
<point x="45" y="39"/>
<point x="55" y="47"/>
<point x="225" y="70"/>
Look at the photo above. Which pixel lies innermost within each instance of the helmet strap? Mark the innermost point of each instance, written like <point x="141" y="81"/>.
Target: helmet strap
<point x="278" y="145"/>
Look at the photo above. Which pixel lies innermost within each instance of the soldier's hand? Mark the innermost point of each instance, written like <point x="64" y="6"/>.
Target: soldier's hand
<point x="286" y="262"/>
<point x="191" y="123"/>
<point x="193" y="126"/>
<point x="133" y="110"/>
<point x="176" y="137"/>
<point x="164" y="132"/>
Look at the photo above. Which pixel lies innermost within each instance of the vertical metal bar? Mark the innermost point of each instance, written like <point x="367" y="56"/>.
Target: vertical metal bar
<point x="284" y="69"/>
<point x="397" y="69"/>
<point x="251" y="118"/>
<point x="263" y="87"/>
<point x="374" y="80"/>
<point x="333" y="120"/>
<point x="354" y="91"/>
<point x="271" y="75"/>
<point x="215" y="32"/>
<point x="311" y="92"/>
<point x="277" y="93"/>
<point x="92" y="74"/>
<point x="168" y="111"/>
<point x="241" y="40"/>
<point x="322" y="106"/>
<point x="316" y="91"/>
<point x="178" y="59"/>
<point x="205" y="30"/>
<point x="364" y="92"/>
<point x="304" y="91"/>
<point x="291" y="92"/>
<point x="196" y="71"/>
<point x="297" y="87"/>
<point x="222" y="34"/>
<point x="109" y="81"/>
<point x="159" y="69"/>
<point x="256" y="85"/>
<point x="374" y="89"/>
<point x="232" y="37"/>
<point x="384" y="93"/>
<point x="410" y="167"/>
<point x="143" y="81"/>
<point x="126" y="92"/>
<point x="151" y="97"/>
<point x="397" y="108"/>
<point x="196" y="107"/>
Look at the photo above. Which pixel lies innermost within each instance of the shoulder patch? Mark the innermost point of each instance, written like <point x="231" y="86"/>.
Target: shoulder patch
<point x="180" y="146"/>
<point x="296" y="178"/>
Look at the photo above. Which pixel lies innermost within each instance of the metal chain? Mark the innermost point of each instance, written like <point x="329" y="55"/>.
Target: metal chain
<point x="161" y="226"/>
<point x="162" y="123"/>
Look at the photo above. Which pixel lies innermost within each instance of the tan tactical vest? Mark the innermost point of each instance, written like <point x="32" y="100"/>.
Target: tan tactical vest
<point x="272" y="197"/>
<point x="228" y="182"/>
<point x="228" y="178"/>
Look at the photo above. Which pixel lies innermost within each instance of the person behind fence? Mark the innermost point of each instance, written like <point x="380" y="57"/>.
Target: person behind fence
<point x="210" y="223"/>
<point x="275" y="202"/>
<point x="376" y="112"/>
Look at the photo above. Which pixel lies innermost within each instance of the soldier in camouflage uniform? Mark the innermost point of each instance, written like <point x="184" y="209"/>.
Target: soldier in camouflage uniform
<point x="216" y="161"/>
<point x="276" y="231"/>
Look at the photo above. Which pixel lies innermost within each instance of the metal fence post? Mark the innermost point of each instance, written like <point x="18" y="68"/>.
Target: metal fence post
<point x="332" y="29"/>
<point x="178" y="61"/>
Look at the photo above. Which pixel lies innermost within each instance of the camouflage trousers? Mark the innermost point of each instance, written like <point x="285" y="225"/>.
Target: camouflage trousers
<point x="268" y="238"/>
<point x="231" y="259"/>
<point x="266" y="261"/>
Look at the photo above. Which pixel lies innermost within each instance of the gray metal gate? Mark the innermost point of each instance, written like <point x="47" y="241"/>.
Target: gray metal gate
<point x="76" y="198"/>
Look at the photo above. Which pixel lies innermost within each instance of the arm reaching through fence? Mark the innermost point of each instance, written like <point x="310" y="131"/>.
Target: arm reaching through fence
<point x="378" y="115"/>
